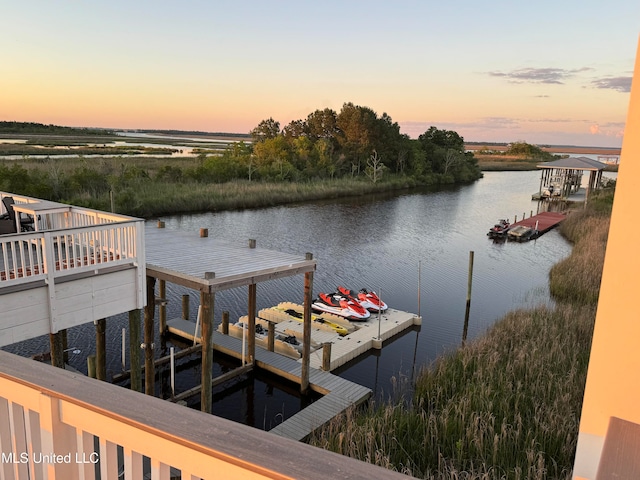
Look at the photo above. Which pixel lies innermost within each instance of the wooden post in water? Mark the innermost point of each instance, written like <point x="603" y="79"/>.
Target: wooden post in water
<point x="306" y="336"/>
<point x="466" y="313"/>
<point x="185" y="307"/>
<point x="134" y="350"/>
<point x="149" y="312"/>
<point x="326" y="356"/>
<point x="207" y="304"/>
<point x="515" y="218"/>
<point x="65" y="346"/>
<point x="251" y="320"/>
<point x="225" y="322"/>
<point x="271" y="336"/>
<point x="419" y="284"/>
<point x="91" y="366"/>
<point x="204" y="232"/>
<point x="162" y="308"/>
<point x="56" y="344"/>
<point x="101" y="349"/>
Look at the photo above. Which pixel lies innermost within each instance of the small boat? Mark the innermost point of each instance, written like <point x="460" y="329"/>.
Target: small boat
<point x="520" y="233"/>
<point x="341" y="305"/>
<point x="500" y="229"/>
<point x="367" y="299"/>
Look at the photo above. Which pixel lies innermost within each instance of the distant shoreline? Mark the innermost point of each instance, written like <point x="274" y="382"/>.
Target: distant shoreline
<point x="551" y="149"/>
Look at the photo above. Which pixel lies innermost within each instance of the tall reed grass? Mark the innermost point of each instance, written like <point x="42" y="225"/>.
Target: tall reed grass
<point x="505" y="406"/>
<point x="577" y="278"/>
<point x="147" y="199"/>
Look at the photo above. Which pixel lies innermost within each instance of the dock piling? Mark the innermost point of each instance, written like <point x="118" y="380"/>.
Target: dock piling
<point x="173" y="372"/>
<point x="149" y="312"/>
<point x="56" y="344"/>
<point x="124" y="349"/>
<point x="419" y="283"/>
<point x="306" y="336"/>
<point x="185" y="306"/>
<point x="91" y="366"/>
<point x="134" y="350"/>
<point x="326" y="356"/>
<point x="252" y="323"/>
<point x="101" y="349"/>
<point x="271" y="334"/>
<point x="225" y="322"/>
<point x="162" y="308"/>
<point x="468" y="307"/>
<point x="207" y="302"/>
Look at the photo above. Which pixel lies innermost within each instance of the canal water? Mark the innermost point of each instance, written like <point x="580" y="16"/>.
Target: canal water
<point x="390" y="243"/>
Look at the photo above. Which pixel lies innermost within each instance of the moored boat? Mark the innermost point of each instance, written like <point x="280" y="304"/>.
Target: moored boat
<point x="520" y="233"/>
<point x="500" y="229"/>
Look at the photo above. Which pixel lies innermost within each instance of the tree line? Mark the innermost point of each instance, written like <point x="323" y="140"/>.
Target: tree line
<point x="355" y="142"/>
<point x="356" y="146"/>
<point x="32" y="128"/>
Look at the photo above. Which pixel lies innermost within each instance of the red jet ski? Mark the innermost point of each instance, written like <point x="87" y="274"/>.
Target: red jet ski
<point x="342" y="305"/>
<point x="367" y="299"/>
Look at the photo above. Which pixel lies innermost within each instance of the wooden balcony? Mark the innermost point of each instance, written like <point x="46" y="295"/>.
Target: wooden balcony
<point x="55" y="424"/>
<point x="77" y="265"/>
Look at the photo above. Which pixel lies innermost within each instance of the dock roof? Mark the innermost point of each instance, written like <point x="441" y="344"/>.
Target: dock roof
<point x="574" y="163"/>
<point x="208" y="264"/>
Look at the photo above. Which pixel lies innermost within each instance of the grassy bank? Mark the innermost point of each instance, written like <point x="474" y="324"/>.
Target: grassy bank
<point x="149" y="187"/>
<point x="506" y="163"/>
<point x="146" y="199"/>
<point x="506" y="405"/>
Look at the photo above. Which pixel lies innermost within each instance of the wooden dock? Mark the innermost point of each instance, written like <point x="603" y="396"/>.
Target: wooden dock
<point x="339" y="394"/>
<point x="541" y="223"/>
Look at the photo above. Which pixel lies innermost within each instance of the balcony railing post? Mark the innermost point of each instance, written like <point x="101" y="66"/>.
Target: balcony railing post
<point x="56" y="438"/>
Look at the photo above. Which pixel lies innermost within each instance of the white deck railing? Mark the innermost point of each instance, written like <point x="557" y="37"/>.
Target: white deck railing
<point x="33" y="256"/>
<point x="74" y="241"/>
<point x="56" y="424"/>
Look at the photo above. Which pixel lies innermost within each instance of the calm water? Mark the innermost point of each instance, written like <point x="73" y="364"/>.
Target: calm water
<point x="381" y="243"/>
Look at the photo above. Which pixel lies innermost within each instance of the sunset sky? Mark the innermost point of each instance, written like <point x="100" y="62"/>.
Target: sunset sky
<point x="546" y="72"/>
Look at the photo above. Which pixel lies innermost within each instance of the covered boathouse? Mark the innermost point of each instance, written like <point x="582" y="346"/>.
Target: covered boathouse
<point x="562" y="179"/>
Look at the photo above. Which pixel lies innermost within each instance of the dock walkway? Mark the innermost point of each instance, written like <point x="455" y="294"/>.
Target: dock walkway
<point x="339" y="394"/>
<point x="542" y="222"/>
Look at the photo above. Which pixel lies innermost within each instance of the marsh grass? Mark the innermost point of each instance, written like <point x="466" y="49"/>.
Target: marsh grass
<point x="148" y="199"/>
<point x="506" y="405"/>
<point x="506" y="163"/>
<point x="577" y="278"/>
